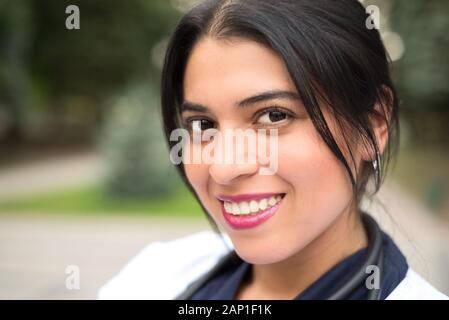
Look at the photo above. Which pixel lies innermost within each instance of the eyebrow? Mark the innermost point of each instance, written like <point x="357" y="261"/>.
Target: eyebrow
<point x="247" y="102"/>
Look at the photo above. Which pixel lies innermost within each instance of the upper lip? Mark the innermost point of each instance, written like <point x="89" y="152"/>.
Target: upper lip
<point x="247" y="196"/>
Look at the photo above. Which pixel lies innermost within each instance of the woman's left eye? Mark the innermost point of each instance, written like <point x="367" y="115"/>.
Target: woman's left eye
<point x="271" y="116"/>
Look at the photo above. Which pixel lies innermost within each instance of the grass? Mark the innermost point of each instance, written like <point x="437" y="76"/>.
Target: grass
<point x="91" y="200"/>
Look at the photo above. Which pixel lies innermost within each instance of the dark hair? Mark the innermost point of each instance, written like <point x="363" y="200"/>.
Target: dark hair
<point x="331" y="56"/>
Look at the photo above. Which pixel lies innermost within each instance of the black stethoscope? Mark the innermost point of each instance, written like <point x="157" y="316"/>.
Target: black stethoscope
<point x="373" y="257"/>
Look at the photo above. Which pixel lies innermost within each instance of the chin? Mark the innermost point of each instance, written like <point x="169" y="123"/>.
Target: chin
<point x="261" y="257"/>
<point x="260" y="253"/>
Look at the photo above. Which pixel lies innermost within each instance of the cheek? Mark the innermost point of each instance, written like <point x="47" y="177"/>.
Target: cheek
<point x="197" y="175"/>
<point x="320" y="186"/>
<point x="311" y="167"/>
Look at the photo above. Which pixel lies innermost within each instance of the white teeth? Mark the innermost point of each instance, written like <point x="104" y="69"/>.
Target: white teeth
<point x="263" y="204"/>
<point x="235" y="208"/>
<point x="253" y="206"/>
<point x="244" y="207"/>
<point x="228" y="206"/>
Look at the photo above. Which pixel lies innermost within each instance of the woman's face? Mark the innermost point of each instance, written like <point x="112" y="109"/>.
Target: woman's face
<point x="313" y="184"/>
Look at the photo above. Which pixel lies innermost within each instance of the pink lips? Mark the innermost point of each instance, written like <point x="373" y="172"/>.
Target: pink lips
<point x="250" y="220"/>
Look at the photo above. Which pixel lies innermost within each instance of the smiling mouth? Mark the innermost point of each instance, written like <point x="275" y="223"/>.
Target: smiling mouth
<point x="250" y="204"/>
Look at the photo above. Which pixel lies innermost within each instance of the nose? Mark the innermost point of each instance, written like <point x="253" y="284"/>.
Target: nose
<point x="225" y="174"/>
<point x="233" y="161"/>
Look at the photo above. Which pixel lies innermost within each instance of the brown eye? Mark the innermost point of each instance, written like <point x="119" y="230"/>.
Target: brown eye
<point x="273" y="116"/>
<point x="201" y="124"/>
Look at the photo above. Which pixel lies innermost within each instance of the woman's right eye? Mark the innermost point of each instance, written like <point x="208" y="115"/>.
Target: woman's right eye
<point x="198" y="125"/>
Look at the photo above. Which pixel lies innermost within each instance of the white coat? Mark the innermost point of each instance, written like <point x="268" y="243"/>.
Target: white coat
<point x="163" y="270"/>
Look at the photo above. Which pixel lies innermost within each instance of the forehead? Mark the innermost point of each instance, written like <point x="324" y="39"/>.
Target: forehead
<point x="220" y="71"/>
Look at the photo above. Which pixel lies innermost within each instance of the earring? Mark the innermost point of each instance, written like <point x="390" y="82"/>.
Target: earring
<point x="377" y="170"/>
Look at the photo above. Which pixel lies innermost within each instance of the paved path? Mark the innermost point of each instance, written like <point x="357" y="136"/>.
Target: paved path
<point x="36" y="249"/>
<point x="46" y="175"/>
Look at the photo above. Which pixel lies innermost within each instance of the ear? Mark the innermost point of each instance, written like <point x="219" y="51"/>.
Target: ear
<point x="379" y="125"/>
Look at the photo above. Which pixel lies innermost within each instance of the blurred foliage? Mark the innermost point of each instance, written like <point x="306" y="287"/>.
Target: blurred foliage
<point x="422" y="75"/>
<point x="15" y="33"/>
<point x="135" y="147"/>
<point x="424" y="69"/>
<point x="110" y="50"/>
<point x="57" y="83"/>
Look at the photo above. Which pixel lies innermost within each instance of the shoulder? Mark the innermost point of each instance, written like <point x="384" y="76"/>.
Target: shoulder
<point x="164" y="269"/>
<point x="414" y="287"/>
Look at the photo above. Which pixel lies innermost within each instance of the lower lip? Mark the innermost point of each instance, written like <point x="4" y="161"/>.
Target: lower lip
<point x="249" y="220"/>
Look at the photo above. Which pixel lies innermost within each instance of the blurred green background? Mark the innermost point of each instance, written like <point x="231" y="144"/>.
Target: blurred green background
<point x="81" y="138"/>
<point x="92" y="90"/>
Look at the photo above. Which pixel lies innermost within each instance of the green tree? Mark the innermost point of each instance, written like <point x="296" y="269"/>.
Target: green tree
<point x="15" y="36"/>
<point x="423" y="72"/>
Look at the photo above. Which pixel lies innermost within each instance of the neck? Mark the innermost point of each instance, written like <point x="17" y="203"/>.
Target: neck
<point x="287" y="278"/>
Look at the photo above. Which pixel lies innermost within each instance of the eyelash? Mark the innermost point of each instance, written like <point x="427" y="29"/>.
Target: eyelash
<point x="289" y="115"/>
<point x="187" y="123"/>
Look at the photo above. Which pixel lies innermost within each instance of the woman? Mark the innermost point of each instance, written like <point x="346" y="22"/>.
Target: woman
<point x="315" y="73"/>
